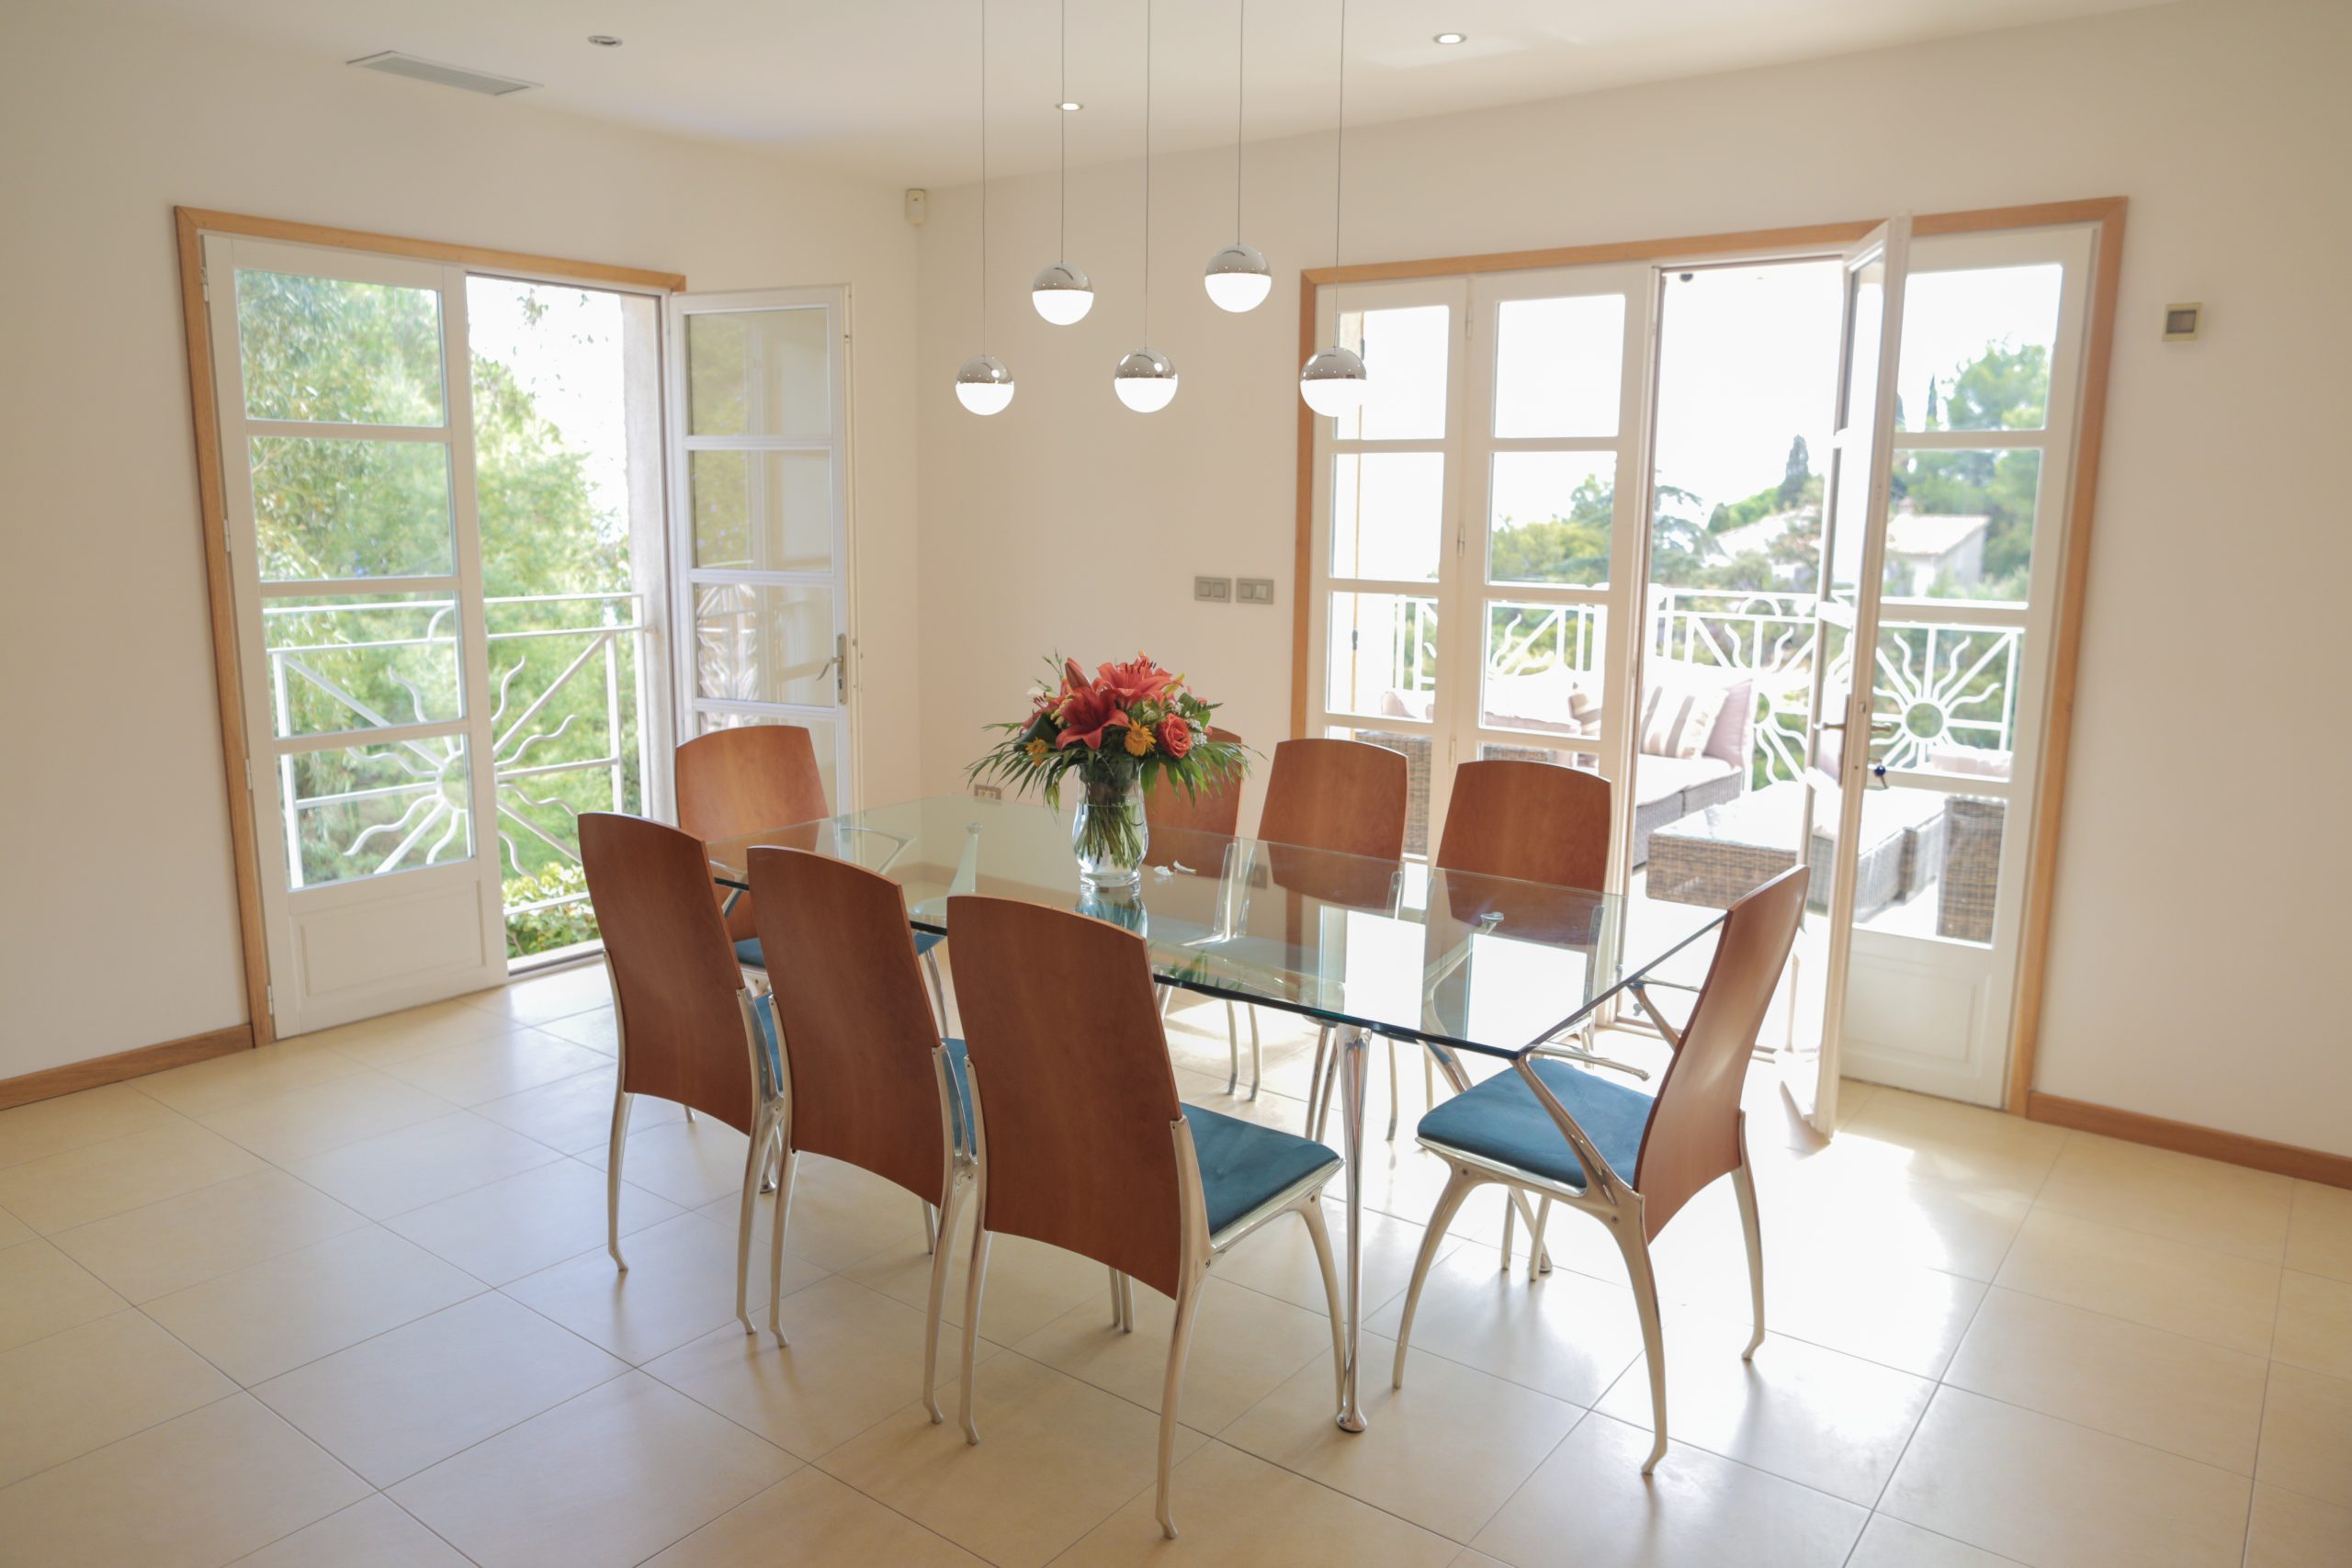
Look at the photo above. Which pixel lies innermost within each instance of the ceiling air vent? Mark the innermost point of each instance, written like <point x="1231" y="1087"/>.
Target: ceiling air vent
<point x="394" y="64"/>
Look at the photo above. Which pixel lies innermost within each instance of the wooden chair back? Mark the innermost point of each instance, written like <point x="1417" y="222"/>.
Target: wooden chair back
<point x="1693" y="1134"/>
<point x="1216" y="809"/>
<point x="1071" y="1072"/>
<point x="674" y="975"/>
<point x="1348" y="796"/>
<point x="733" y="782"/>
<point x="857" y="1023"/>
<point x="1536" y="822"/>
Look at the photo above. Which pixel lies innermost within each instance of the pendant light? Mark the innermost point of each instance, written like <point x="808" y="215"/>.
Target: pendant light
<point x="1334" y="381"/>
<point x="1238" y="278"/>
<point x="1061" y="292"/>
<point x="982" y="383"/>
<point x="1145" y="378"/>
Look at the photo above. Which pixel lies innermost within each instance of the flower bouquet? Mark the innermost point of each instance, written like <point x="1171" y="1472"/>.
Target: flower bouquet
<point x="1121" y="730"/>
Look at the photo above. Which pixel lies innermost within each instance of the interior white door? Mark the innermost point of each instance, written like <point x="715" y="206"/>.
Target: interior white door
<point x="343" y="391"/>
<point x="760" y="517"/>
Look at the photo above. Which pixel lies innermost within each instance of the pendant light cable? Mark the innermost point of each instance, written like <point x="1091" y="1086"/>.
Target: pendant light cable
<point x="1340" y="139"/>
<point x="1241" y="100"/>
<point x="984" y="176"/>
<point x="1062" y="118"/>
<point x="1147" y="170"/>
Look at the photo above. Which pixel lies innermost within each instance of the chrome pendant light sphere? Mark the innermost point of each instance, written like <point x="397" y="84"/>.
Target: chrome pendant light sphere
<point x="1062" y="294"/>
<point x="1334" y="382"/>
<point x="983" y="384"/>
<point x="1238" y="278"/>
<point x="1144" y="381"/>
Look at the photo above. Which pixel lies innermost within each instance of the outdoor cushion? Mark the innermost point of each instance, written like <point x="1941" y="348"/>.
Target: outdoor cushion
<point x="1501" y="1120"/>
<point x="1242" y="1164"/>
<point x="747" y="952"/>
<point x="1660" y="778"/>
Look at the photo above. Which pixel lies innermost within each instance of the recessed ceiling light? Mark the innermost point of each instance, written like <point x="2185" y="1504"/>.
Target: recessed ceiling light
<point x="1452" y="38"/>
<point x="603" y="40"/>
<point x="1069" y="108"/>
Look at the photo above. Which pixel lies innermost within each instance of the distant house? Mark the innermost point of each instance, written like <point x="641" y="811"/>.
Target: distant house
<point x="1760" y="536"/>
<point x="1923" y="548"/>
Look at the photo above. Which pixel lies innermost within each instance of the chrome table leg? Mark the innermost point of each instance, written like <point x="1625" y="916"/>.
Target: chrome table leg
<point x="1350" y="1066"/>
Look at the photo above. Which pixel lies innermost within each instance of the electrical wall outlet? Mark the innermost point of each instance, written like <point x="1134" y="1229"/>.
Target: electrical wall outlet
<point x="989" y="792"/>
<point x="1256" y="590"/>
<point x="1216" y="590"/>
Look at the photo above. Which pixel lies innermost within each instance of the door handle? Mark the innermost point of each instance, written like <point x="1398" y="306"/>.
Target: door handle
<point x="839" y="665"/>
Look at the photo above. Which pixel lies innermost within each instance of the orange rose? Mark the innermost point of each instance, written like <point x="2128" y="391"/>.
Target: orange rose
<point x="1175" y="736"/>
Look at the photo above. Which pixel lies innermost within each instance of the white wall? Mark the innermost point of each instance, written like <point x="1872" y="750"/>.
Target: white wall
<point x="119" y="918"/>
<point x="2200" y="921"/>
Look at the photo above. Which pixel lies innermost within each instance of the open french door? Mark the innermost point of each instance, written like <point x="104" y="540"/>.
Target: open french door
<point x="1855" y="502"/>
<point x="759" y="483"/>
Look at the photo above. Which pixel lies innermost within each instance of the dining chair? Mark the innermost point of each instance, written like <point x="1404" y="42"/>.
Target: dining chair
<point x="1506" y="817"/>
<point x="689" y="1029"/>
<point x="1554" y="1129"/>
<point x="867" y="1078"/>
<point x="1082" y="1144"/>
<point x="1216" y="811"/>
<point x="751" y="778"/>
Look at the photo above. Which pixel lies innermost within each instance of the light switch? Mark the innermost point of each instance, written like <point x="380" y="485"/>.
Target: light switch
<point x="1216" y="590"/>
<point x="1257" y="589"/>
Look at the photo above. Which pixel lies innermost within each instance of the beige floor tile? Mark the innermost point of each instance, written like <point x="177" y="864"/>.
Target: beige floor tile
<point x="1891" y="1312"/>
<point x="1912" y="1136"/>
<point x="856" y="1355"/>
<point x="1244" y="1346"/>
<point x="411" y="1397"/>
<point x="2055" y="1495"/>
<point x="680" y="1285"/>
<point x="286" y="1127"/>
<point x="1820" y="1206"/>
<point x="1567" y="1335"/>
<point x="93" y="1116"/>
<point x="2315" y="1323"/>
<point x="2178" y="1196"/>
<point x="43" y="1292"/>
<point x="77" y="1186"/>
<point x="690" y="1163"/>
<point x="13" y="1230"/>
<point x="558" y="994"/>
<point x="1590" y="1503"/>
<point x="609" y="1478"/>
<point x="394" y="1172"/>
<point x="1029" y="1284"/>
<point x="378" y="1040"/>
<point x="63" y="1396"/>
<point x="2147" y="1280"/>
<point x="1279" y="1260"/>
<point x="374" y="1532"/>
<point x="1443" y="1451"/>
<point x="1833" y="1422"/>
<point x="576" y="1114"/>
<point x="595" y="1030"/>
<point x="1888" y="1542"/>
<point x="824" y="1522"/>
<point x="2291" y="1531"/>
<point x="2187" y="1396"/>
<point x="273" y="1316"/>
<point x="203" y="1235"/>
<point x="198" y="1490"/>
<point x="2307" y="1435"/>
<point x="533" y="1221"/>
<point x="477" y="1070"/>
<point x="1056" y="1457"/>
<point x="1233" y="1508"/>
<point x="243" y="1077"/>
<point x="840" y="1215"/>
<point x="2319" y="1231"/>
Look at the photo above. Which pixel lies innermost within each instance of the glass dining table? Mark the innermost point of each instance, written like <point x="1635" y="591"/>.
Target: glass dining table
<point x="1458" y="962"/>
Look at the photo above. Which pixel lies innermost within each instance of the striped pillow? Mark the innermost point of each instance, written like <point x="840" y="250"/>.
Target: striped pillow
<point x="1677" y="718"/>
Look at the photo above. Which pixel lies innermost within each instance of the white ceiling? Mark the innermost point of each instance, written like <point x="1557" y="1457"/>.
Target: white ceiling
<point x="889" y="88"/>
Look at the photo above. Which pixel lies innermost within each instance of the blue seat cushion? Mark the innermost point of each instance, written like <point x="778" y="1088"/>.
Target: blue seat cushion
<point x="1501" y="1120"/>
<point x="1242" y="1164"/>
<point x="748" y="954"/>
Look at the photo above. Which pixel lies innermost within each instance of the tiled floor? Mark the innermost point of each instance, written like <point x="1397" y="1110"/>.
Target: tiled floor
<point x="345" y="1301"/>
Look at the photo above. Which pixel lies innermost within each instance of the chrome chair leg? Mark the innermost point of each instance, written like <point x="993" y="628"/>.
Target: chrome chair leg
<point x="1127" y="1304"/>
<point x="1180" y="1345"/>
<point x="1538" y="1261"/>
<point x="1392" y="1091"/>
<point x="1256" y="1057"/>
<point x="755" y="1160"/>
<point x="948" y="1205"/>
<point x="1448" y="1202"/>
<point x="1627" y="1228"/>
<point x="1348" y="1064"/>
<point x="690" y="1114"/>
<point x="938" y="986"/>
<point x="1114" y="1298"/>
<point x="1315" y="1077"/>
<point x="931" y="1228"/>
<point x="621" y="1102"/>
<point x="1233" y="1051"/>
<point x="783" y="1167"/>
<point x="1743" y="1182"/>
<point x="1535" y="1255"/>
<point x="1319" y="1231"/>
<point x="973" y="1284"/>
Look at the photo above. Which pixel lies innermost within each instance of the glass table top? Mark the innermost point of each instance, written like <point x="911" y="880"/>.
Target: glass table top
<point x="1486" y="964"/>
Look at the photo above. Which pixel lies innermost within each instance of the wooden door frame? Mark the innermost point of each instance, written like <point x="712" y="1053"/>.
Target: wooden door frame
<point x="2105" y="216"/>
<point x="191" y="224"/>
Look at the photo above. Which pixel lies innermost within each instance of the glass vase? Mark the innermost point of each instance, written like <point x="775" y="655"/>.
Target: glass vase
<point x="1108" y="834"/>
